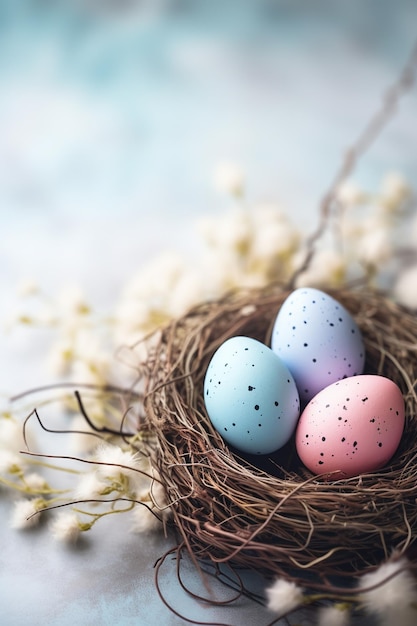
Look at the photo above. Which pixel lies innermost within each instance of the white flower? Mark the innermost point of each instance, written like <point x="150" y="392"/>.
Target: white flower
<point x="327" y="268"/>
<point x="114" y="455"/>
<point x="151" y="517"/>
<point x="66" y="527"/>
<point x="164" y="288"/>
<point x="375" y="246"/>
<point x="391" y="595"/>
<point x="229" y="177"/>
<point x="117" y="463"/>
<point x="232" y="230"/>
<point x="144" y="520"/>
<point x="10" y="462"/>
<point x="405" y="291"/>
<point x="25" y="513"/>
<point x="188" y="291"/>
<point x="11" y="434"/>
<point x="394" y="191"/>
<point x="89" y="486"/>
<point x="35" y="481"/>
<point x="336" y="615"/>
<point x="274" y="239"/>
<point x="284" y="596"/>
<point x="60" y="356"/>
<point x="349" y="194"/>
<point x="71" y="301"/>
<point x="92" y="373"/>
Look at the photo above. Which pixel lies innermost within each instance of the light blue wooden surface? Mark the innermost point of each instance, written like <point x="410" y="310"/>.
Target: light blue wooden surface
<point x="111" y="124"/>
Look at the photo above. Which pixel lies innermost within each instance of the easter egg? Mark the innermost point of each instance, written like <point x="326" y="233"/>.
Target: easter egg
<point x="351" y="427"/>
<point x="318" y="340"/>
<point x="250" y="396"/>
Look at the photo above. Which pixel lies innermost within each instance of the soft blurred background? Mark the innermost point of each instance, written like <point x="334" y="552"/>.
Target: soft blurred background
<point x="115" y="116"/>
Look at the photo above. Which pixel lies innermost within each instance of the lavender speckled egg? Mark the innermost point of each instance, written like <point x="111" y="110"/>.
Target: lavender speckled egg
<point x="250" y="396"/>
<point x="351" y="427"/>
<point x="318" y="340"/>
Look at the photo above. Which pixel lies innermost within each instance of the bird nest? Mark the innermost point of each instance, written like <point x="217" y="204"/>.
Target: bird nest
<point x="270" y="513"/>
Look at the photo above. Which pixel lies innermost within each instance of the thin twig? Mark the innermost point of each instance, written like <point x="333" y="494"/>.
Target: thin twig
<point x="369" y="134"/>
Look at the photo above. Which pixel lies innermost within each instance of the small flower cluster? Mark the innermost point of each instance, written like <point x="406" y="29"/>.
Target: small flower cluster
<point x="251" y="246"/>
<point x="123" y="478"/>
<point x="119" y="480"/>
<point x="245" y="246"/>
<point x="388" y="594"/>
<point x="16" y="473"/>
<point x="367" y="234"/>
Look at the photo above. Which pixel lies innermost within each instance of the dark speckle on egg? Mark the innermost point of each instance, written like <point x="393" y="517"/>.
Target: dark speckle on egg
<point x="244" y="390"/>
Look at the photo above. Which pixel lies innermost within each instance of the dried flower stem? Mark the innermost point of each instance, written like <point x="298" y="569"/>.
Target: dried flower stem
<point x="369" y="134"/>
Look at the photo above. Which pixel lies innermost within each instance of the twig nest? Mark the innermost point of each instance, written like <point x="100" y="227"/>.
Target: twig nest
<point x="270" y="513"/>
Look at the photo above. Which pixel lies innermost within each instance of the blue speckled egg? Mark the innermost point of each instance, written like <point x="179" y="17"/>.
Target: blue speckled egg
<point x="318" y="340"/>
<point x="250" y="396"/>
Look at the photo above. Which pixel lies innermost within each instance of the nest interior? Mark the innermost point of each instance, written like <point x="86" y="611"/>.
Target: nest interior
<point x="270" y="513"/>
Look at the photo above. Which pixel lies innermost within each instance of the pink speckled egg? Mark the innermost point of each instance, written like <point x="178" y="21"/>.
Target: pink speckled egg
<point x="351" y="427"/>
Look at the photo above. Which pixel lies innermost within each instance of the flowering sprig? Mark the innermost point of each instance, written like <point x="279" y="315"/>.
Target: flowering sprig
<point x="120" y="479"/>
<point x="390" y="593"/>
<point x="387" y="594"/>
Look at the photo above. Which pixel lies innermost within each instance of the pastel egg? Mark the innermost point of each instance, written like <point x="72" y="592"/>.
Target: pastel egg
<point x="351" y="427"/>
<point x="250" y="396"/>
<point x="318" y="340"/>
